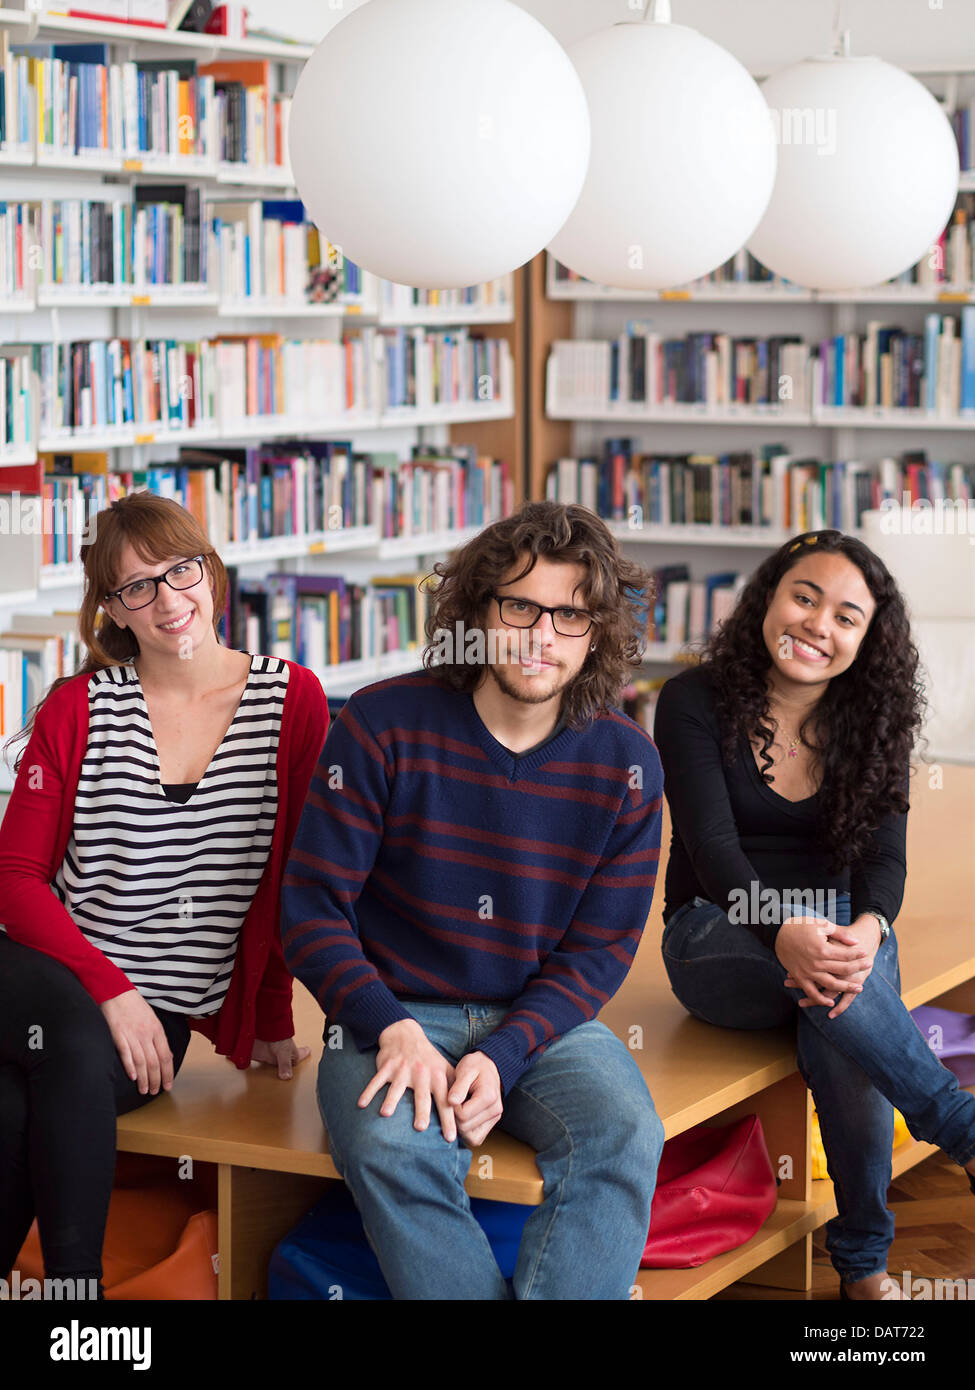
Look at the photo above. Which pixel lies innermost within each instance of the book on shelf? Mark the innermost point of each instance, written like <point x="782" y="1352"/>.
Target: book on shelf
<point x="324" y="620"/>
<point x="639" y="700"/>
<point x="189" y="15"/>
<point x="252" y="121"/>
<point x="105" y="384"/>
<point x="639" y="367"/>
<point x="17" y="406"/>
<point x="242" y="496"/>
<point x="146" y="12"/>
<point x="28" y="664"/>
<point x="764" y="488"/>
<point x="228" y="19"/>
<point x="885" y="367"/>
<point x="685" y="610"/>
<point x="950" y="259"/>
<point x="168" y="243"/>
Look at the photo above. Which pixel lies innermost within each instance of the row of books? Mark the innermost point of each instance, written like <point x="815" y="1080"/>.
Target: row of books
<point x="103" y="384"/>
<point x="642" y="368"/>
<point x="889" y="367"/>
<point x="317" y="620"/>
<point x="962" y="120"/>
<point x="72" y="99"/>
<point x="639" y="700"/>
<point x="768" y="487"/>
<point x="951" y="260"/>
<point x="682" y="609"/>
<point x="35" y="650"/>
<point x="882" y="366"/>
<point x="77" y="243"/>
<point x="323" y="619"/>
<point x="272" y="491"/>
<point x="16" y="416"/>
<point x="167" y="234"/>
<point x="403" y="299"/>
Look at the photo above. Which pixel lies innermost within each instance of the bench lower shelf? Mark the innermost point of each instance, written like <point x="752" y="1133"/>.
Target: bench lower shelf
<point x="257" y="1206"/>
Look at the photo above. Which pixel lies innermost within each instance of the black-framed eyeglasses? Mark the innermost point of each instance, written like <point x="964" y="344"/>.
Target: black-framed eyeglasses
<point x="518" y="612"/>
<point x="141" y="592"/>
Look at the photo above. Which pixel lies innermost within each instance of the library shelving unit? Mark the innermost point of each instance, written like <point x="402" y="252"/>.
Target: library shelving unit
<point x="46" y="313"/>
<point x="569" y="308"/>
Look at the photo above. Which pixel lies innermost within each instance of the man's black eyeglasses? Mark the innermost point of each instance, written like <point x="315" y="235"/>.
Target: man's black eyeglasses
<point x="518" y="612"/>
<point x="141" y="592"/>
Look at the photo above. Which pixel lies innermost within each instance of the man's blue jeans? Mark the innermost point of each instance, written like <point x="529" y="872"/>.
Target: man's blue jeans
<point x="857" y="1066"/>
<point x="583" y="1105"/>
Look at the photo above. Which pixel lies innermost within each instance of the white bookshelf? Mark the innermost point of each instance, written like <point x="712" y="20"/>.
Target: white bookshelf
<point x="759" y="310"/>
<point x="30" y="173"/>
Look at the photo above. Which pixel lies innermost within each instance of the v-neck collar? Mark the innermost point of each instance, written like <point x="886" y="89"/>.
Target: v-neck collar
<point x="774" y="798"/>
<point x="514" y="765"/>
<point x="131" y="676"/>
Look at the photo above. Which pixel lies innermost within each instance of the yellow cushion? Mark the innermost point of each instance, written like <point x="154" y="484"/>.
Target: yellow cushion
<point x="819" y="1153"/>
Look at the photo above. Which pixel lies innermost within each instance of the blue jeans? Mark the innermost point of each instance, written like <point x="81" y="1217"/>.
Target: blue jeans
<point x="583" y="1105"/>
<point x="857" y="1066"/>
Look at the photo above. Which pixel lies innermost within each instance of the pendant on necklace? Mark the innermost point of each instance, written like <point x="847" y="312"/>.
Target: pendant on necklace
<point x="793" y="748"/>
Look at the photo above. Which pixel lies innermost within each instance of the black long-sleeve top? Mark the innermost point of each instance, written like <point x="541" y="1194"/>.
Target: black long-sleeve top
<point x="730" y="828"/>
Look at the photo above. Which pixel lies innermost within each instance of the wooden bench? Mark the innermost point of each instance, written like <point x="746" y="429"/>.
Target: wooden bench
<point x="271" y="1151"/>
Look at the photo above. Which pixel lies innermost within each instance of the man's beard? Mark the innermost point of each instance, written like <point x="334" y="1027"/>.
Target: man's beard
<point x="499" y="672"/>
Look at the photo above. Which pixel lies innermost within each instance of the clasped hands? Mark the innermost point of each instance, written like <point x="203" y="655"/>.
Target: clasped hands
<point x="467" y="1097"/>
<point x="828" y="963"/>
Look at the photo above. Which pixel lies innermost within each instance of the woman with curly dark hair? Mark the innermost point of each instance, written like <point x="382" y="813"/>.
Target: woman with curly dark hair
<point x="786" y="759"/>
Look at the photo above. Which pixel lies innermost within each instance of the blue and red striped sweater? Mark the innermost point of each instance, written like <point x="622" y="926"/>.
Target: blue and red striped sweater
<point x="432" y="862"/>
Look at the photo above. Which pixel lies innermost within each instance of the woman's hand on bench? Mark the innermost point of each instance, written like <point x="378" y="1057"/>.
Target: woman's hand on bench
<point x="283" y="1055"/>
<point x="140" y="1040"/>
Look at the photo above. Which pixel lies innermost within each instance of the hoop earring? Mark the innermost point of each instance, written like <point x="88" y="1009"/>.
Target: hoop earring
<point x="592" y="646"/>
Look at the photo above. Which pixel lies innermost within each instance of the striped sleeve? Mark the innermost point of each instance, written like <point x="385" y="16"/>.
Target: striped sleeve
<point x="594" y="955"/>
<point x="336" y="844"/>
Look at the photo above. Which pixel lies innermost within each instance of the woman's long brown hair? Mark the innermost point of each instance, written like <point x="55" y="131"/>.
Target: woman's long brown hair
<point x="157" y="528"/>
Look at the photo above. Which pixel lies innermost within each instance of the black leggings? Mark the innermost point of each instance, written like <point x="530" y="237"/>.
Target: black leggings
<point x="62" y="1084"/>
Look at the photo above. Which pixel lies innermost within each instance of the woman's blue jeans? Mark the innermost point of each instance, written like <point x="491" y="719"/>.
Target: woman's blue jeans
<point x="583" y="1105"/>
<point x="858" y="1066"/>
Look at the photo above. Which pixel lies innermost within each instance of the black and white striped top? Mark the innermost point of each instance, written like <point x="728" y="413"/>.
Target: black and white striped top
<point x="162" y="887"/>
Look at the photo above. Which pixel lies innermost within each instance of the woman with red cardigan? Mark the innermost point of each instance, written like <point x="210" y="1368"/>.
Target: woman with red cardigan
<point x="141" y="858"/>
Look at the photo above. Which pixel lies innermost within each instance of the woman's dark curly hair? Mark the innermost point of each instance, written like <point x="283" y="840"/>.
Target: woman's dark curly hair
<point x="868" y="716"/>
<point x="615" y="591"/>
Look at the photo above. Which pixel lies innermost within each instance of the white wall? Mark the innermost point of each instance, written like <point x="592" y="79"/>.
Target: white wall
<point x="763" y="34"/>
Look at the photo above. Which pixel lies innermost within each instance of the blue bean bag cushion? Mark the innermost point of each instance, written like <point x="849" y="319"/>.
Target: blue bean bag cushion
<point x="327" y="1254"/>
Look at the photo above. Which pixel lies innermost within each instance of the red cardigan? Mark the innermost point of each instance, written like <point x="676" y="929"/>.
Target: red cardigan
<point x="37" y="826"/>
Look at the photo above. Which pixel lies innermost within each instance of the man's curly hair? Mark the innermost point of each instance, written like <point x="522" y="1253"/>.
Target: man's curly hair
<point x="615" y="590"/>
<point x="867" y="718"/>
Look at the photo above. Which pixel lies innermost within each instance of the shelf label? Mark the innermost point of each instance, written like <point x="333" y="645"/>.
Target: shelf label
<point x="141" y="299"/>
<point x="145" y="439"/>
<point x="135" y="165"/>
<point x="954" y="296"/>
<point x="675" y="294"/>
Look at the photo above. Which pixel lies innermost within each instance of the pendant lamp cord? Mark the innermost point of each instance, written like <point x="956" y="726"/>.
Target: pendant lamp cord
<point x="657" y="10"/>
<point x="841" y="37"/>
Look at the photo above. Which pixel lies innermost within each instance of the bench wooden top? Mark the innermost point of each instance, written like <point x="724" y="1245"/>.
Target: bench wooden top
<point x="219" y="1114"/>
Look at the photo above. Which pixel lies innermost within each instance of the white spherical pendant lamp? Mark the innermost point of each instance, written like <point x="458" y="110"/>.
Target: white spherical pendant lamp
<point x="682" y="162"/>
<point x="439" y="143"/>
<point x="867" y="175"/>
